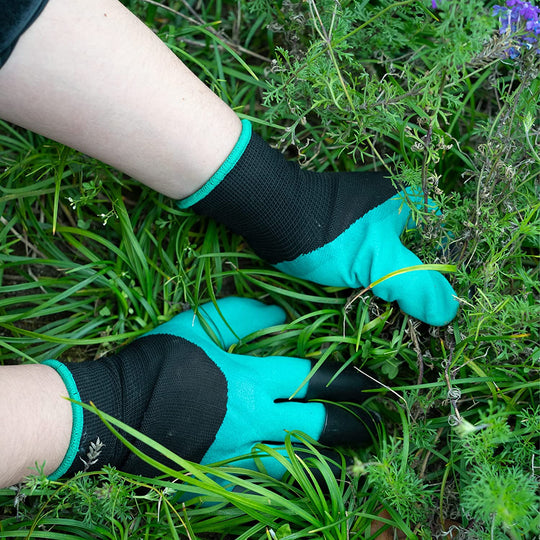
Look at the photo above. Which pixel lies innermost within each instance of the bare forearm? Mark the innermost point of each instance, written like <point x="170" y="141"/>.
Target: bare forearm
<point x="35" y="424"/>
<point x="91" y="75"/>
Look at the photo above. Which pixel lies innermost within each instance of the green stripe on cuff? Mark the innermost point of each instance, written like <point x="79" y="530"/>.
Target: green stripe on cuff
<point x="77" y="412"/>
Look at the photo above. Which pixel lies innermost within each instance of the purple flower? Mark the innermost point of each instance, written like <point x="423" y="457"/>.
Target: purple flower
<point x="521" y="18"/>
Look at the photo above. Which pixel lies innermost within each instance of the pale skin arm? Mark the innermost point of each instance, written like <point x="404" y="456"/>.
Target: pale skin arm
<point x="35" y="424"/>
<point x="94" y="77"/>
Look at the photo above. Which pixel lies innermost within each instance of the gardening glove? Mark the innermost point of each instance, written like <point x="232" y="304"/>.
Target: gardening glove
<point x="338" y="229"/>
<point x="179" y="388"/>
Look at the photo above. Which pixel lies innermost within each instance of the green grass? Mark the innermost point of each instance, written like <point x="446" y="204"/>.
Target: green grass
<point x="89" y="260"/>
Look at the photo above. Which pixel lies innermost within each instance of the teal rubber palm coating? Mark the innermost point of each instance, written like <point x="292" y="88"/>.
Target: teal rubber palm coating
<point x="336" y="229"/>
<point x="181" y="388"/>
<point x="424" y="294"/>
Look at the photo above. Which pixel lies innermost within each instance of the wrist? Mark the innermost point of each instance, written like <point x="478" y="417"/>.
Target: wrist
<point x="224" y="169"/>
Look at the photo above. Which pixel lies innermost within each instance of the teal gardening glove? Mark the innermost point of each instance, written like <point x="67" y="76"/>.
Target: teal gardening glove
<point x="178" y="387"/>
<point x="337" y="229"/>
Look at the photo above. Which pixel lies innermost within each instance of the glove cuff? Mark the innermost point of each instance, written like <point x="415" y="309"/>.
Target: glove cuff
<point x="226" y="167"/>
<point x="77" y="415"/>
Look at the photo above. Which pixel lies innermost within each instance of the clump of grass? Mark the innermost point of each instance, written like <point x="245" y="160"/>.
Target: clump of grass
<point x="90" y="260"/>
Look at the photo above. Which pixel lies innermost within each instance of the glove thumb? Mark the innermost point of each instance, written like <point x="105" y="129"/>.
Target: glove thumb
<point x="423" y="294"/>
<point x="228" y="320"/>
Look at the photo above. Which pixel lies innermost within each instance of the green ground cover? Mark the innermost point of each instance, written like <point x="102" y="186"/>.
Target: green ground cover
<point x="89" y="259"/>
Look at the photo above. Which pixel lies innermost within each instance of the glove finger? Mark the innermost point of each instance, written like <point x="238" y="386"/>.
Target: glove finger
<point x="276" y="466"/>
<point x="286" y="416"/>
<point x="279" y="376"/>
<point x="348" y="424"/>
<point x="287" y="377"/>
<point x="329" y="423"/>
<point x="231" y="320"/>
<point x="423" y="294"/>
<point x="350" y="385"/>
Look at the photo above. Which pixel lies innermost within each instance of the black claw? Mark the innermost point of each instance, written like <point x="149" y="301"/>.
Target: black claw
<point x="348" y="425"/>
<point x="349" y="385"/>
